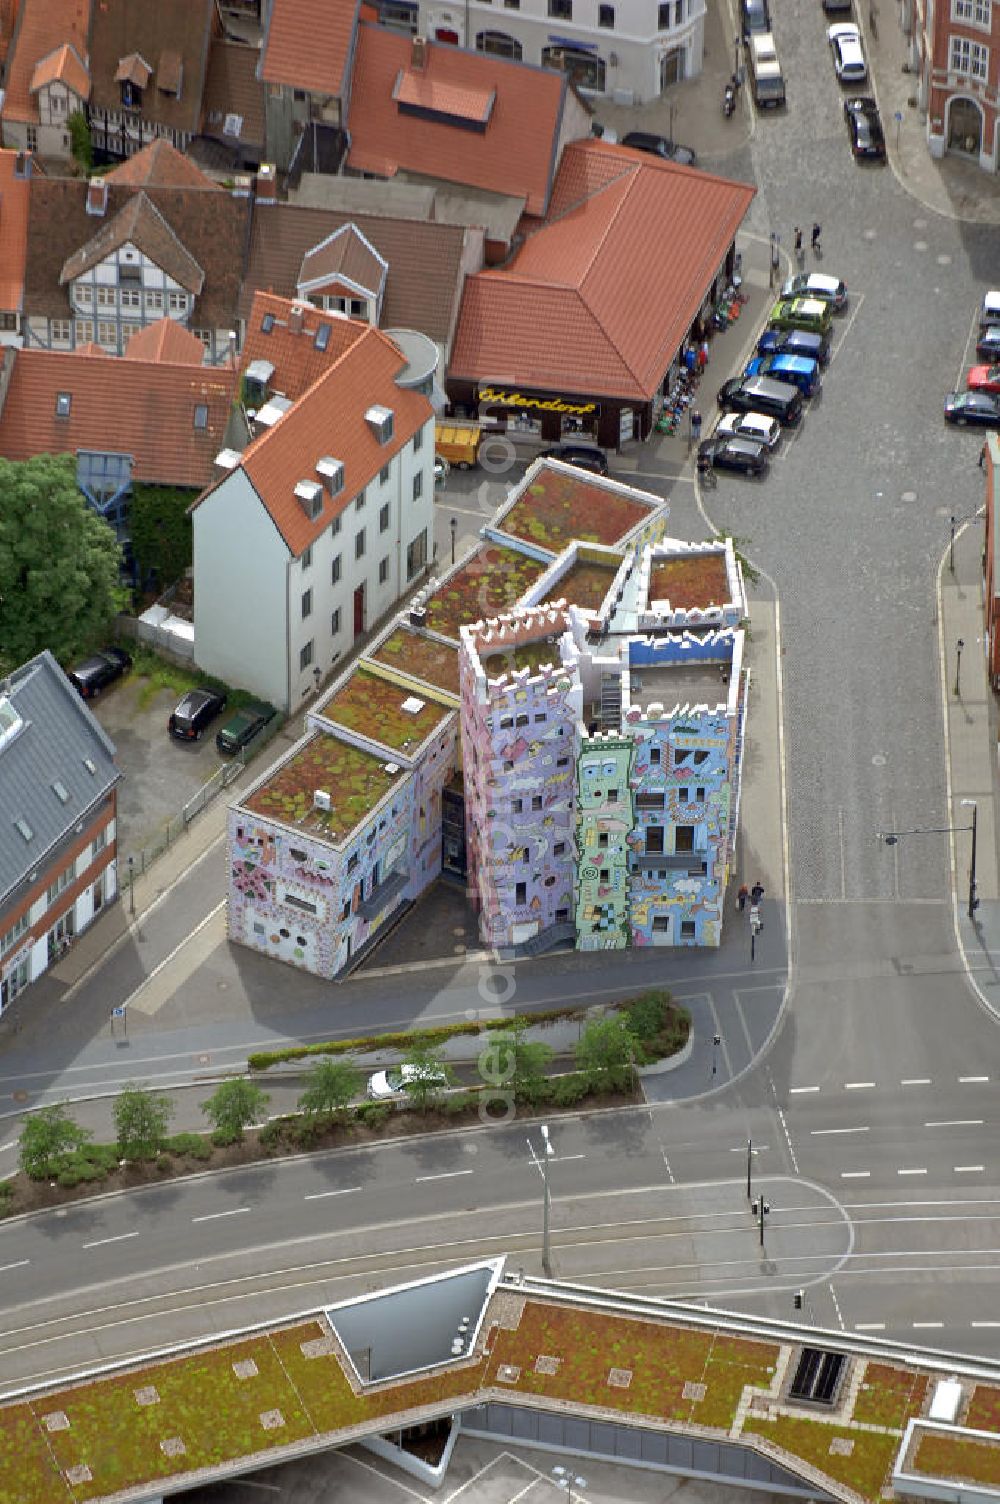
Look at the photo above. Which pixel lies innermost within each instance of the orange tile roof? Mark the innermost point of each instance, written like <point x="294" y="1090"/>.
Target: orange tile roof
<point x="297" y="360"/>
<point x="42" y="27"/>
<point x="329" y="419"/>
<point x="168" y="341"/>
<point x="515" y="153"/>
<point x="65" y="65"/>
<point x="160" y="165"/>
<point x="14" y="196"/>
<point x="308" y="43"/>
<point x="599" y="299"/>
<point x="442" y="97"/>
<point x="142" y="408"/>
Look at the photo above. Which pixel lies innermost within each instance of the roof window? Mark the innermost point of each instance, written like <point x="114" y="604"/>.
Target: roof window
<point x="201" y="415"/>
<point x="24" y="829"/>
<point x="381" y="421"/>
<point x="64" y="401"/>
<point x="91" y="766"/>
<point x="310" y="497"/>
<point x="817" y="1377"/>
<point x="267" y="324"/>
<point x="332" y="473"/>
<point x="10" y="722"/>
<point x="60" y="790"/>
<point x="322" y="336"/>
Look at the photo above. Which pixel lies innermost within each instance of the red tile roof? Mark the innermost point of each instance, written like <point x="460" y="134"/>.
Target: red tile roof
<point x="160" y="165"/>
<point x="599" y="299"/>
<point x="167" y="341"/>
<point x="297" y="359"/>
<point x="142" y="408"/>
<point x="14" y="197"/>
<point x="65" y="65"/>
<point x="141" y="224"/>
<point x="43" y="26"/>
<point x="308" y="44"/>
<point x="515" y="154"/>
<point x="329" y="420"/>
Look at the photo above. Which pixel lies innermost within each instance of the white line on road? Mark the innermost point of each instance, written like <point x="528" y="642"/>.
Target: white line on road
<point x="742" y="1148"/>
<point x="448" y="1175"/>
<point x="19" y="1265"/>
<point x="918" y="1325"/>
<point x="819" y="1132"/>
<point x="836" y="1307"/>
<point x="795" y="1090"/>
<point x="12" y="1145"/>
<point x="321" y="1195"/>
<point x="984" y="1323"/>
<point x="911" y="1172"/>
<point x="916" y="1081"/>
<point x="855" y="1174"/>
<point x="236" y="1211"/>
<point x="969" y="1169"/>
<point x="956" y="1123"/>
<point x="971" y="1080"/>
<point x="869" y="1326"/>
<point x="122" y="1237"/>
<point x="858" y="1085"/>
<point x="788" y="1140"/>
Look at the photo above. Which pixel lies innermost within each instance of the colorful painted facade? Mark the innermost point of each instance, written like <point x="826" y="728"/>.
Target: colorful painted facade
<point x="604" y="823"/>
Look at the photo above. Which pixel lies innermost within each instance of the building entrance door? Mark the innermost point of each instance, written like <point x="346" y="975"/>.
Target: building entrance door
<point x="359" y="610"/>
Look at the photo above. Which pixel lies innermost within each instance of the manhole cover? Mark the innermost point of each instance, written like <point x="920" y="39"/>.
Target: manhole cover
<point x="203" y="1059"/>
<point x="879" y="760"/>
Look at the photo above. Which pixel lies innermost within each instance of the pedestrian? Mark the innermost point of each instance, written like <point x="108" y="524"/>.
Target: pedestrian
<point x="798" y="241"/>
<point x="695" y="424"/>
<point x="742" y="896"/>
<point x="703" y="355"/>
<point x="815" y="238"/>
<point x="690" y="360"/>
<point x="757" y="892"/>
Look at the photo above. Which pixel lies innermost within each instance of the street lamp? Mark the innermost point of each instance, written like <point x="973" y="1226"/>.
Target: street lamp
<point x="549" y="1152"/>
<point x="749" y="1167"/>
<point x="131" y="886"/>
<point x="891" y="838"/>
<point x="567" y="1481"/>
<point x="716" y="1041"/>
<point x="958" y="666"/>
<point x="453" y="524"/>
<point x="761" y="1210"/>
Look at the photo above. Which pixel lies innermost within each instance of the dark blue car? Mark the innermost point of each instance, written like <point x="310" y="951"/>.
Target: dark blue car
<point x="795" y="342"/>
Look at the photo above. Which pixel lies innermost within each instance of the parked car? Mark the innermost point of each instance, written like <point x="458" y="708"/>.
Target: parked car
<point x="989" y="309"/>
<point x="96" y="673"/>
<point x="848" y="56"/>
<point x="797" y="370"/>
<point x="811" y="314"/>
<point x="757" y="394"/>
<point x="756" y="426"/>
<point x="193" y="712"/>
<point x="984" y="379"/>
<point x="864" y="127"/>
<point x="659" y="146"/>
<point x="241" y="728"/>
<point x="988" y="343"/>
<point x="583" y="456"/>
<point x="755" y="17"/>
<point x="817" y="285"/>
<point x="980" y="409"/>
<point x="393" y="1082"/>
<point x="838" y="7"/>
<point x="795" y="342"/>
<point x="745" y="455"/>
<point x="442" y="470"/>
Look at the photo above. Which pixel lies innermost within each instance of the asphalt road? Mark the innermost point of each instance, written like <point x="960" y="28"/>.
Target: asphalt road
<point x="872" y="1113"/>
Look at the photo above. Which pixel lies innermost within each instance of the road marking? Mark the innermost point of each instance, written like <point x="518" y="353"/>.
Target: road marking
<point x="321" y="1195"/>
<point x="742" y="1148"/>
<point x="19" y="1265"/>
<point x="969" y="1169"/>
<point x="858" y="1085"/>
<point x="214" y="1216"/>
<point x="794" y="1090"/>
<point x="855" y="1174"/>
<point x="984" y="1323"/>
<point x="448" y="1175"/>
<point x="956" y="1123"/>
<point x="869" y="1326"/>
<point x="788" y="1140"/>
<point x="819" y="1132"/>
<point x="971" y="1080"/>
<point x="916" y="1081"/>
<point x="836" y="1307"/>
<point x="911" y="1172"/>
<point x="122" y="1237"/>
<point x="935" y="1325"/>
<point x="12" y="1145"/>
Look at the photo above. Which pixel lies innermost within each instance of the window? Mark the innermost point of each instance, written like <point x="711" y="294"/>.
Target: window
<point x="307" y="557"/>
<point x="359" y="544"/>
<point x="383" y="518"/>
<point x="970" y="58"/>
<point x="99" y="842"/>
<point x="352" y="861"/>
<point x="663" y="17"/>
<point x="84" y="331"/>
<point x="64" y="402"/>
<point x="293" y="901"/>
<point x="31" y="137"/>
<point x="201" y="415"/>
<point x="154" y="302"/>
<point x="105" y="297"/>
<point x="61" y="883"/>
<point x="678" y="12"/>
<point x="418" y="441"/>
<point x="418" y="485"/>
<point x="107" y="333"/>
<point x="512" y="4"/>
<point x="359" y="308"/>
<point x="383" y="475"/>
<point x="606" y="16"/>
<point x="612" y="796"/>
<point x="684" y="838"/>
<point x="335" y="623"/>
<point x="517" y="805"/>
<point x="335" y="570"/>
<point x="661" y="924"/>
<point x="559" y="849"/>
<point x="654" y="757"/>
<point x="84" y="295"/>
<point x="699" y="795"/>
<point x="975" y="12"/>
<point x="562" y="762"/>
<point x="602" y="840"/>
<point x="649" y="801"/>
<point x="536" y="801"/>
<point x="684" y="795"/>
<point x="699" y="758"/>
<point x="205" y="335"/>
<point x="604" y="874"/>
<point x="416" y="555"/>
<point x="520" y="893"/>
<point x="130" y="297"/>
<point x="687" y="929"/>
<point x="654" y="840"/>
<point x="359" y="502"/>
<point x="307" y="603"/>
<point x="383" y="570"/>
<point x="306" y="656"/>
<point x="335" y="527"/>
<point x="178" y="302"/>
<point x="561" y="10"/>
<point x="60" y="331"/>
<point x="18" y="928"/>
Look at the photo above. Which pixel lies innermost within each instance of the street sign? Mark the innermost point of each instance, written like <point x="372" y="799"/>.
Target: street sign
<point x="118" y="1012"/>
<point x="898" y="117"/>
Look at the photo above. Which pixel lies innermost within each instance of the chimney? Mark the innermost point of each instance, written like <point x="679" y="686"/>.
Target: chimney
<point x="295" y="319"/>
<point x="418" y="54"/>
<point x="97" y="197"/>
<point x="266" y="185"/>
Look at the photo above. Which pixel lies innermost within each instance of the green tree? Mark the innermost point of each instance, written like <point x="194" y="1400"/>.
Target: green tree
<point x="331" y="1085"/>
<point x="514" y="1062"/>
<point x="59" y="563"/>
<point x="432" y="1073"/>
<point x="141" y="1121"/>
<point x="161" y="531"/>
<point x="81" y="144"/>
<point x="234" y="1106"/>
<point x="49" y="1139"/>
<point x="606" y="1053"/>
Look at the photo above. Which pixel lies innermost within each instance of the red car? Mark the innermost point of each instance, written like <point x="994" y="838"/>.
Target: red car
<point x="984" y="379"/>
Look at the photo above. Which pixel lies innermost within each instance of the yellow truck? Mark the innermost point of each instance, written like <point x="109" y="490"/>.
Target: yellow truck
<point x="458" y="443"/>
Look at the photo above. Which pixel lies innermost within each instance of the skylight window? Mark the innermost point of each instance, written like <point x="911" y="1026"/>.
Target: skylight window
<point x="64" y="401"/>
<point x="91" y="766"/>
<point x="267" y="323"/>
<point x="60" y="790"/>
<point x="24" y="829"/>
<point x="322" y="336"/>
<point x="201" y="415"/>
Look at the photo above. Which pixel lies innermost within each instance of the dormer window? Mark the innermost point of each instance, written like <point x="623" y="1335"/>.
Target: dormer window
<point x="131" y="96"/>
<point x="380" y="420"/>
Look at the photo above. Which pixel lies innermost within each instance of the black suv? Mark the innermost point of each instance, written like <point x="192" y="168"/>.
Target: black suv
<point x="583" y="456"/>
<point x="242" y="726"/>
<point x="745" y="455"/>
<point x="194" y="712"/>
<point x="96" y="673"/>
<point x="659" y="146"/>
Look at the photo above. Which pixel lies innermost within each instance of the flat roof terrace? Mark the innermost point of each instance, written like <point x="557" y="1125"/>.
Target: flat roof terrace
<point x="356" y="781"/>
<point x="690" y="582"/>
<point x="410" y="652"/>
<point x="489" y="582"/>
<point x="585" y="583"/>
<point x="685" y="684"/>
<point x="559" y="504"/>
<point x="382" y="712"/>
<point x="530" y="655"/>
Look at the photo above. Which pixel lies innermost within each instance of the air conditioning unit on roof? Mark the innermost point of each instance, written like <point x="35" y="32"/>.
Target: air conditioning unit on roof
<point x="322" y="800"/>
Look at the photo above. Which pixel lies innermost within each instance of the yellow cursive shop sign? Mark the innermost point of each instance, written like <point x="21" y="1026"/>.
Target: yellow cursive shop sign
<point x="542" y="404"/>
